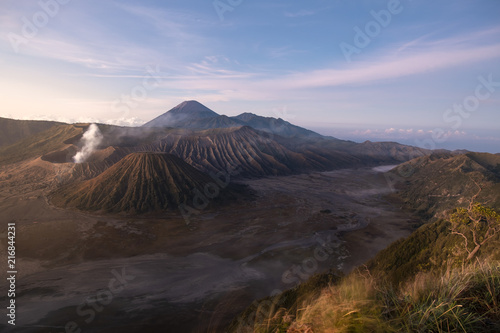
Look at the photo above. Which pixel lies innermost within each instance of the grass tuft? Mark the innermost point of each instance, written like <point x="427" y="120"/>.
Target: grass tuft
<point x="459" y="300"/>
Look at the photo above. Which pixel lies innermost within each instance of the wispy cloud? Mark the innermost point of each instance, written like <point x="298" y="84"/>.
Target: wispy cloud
<point x="444" y="54"/>
<point x="111" y="48"/>
<point x="177" y="26"/>
<point x="390" y="67"/>
<point x="101" y="55"/>
<point x="264" y="57"/>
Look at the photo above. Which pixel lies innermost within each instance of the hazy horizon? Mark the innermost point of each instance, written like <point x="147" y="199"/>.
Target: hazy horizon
<point x="420" y="138"/>
<point x="418" y="73"/>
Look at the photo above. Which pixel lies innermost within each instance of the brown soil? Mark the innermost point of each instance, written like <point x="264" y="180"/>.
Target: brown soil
<point x="214" y="264"/>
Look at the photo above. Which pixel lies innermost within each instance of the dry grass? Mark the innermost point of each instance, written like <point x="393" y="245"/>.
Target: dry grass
<point x="460" y="300"/>
<point x="351" y="306"/>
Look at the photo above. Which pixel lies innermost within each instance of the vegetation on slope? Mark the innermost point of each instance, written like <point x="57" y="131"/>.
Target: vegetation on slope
<point x="425" y="283"/>
<point x="435" y="245"/>
<point x="437" y="183"/>
<point x="445" y="277"/>
<point x="462" y="300"/>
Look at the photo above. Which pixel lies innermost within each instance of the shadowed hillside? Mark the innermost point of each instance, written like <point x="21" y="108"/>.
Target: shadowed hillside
<point x="249" y="152"/>
<point x="246" y="146"/>
<point x="444" y="277"/>
<point x="55" y="138"/>
<point x="139" y="183"/>
<point x="368" y="153"/>
<point x="273" y="125"/>
<point x="439" y="182"/>
<point x="12" y="130"/>
<point x="424" y="283"/>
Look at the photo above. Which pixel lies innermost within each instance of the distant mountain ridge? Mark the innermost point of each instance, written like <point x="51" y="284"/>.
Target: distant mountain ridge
<point x="54" y="138"/>
<point x="441" y="181"/>
<point x="194" y="115"/>
<point x="274" y="125"/>
<point x="271" y="147"/>
<point x="12" y="131"/>
<point x="251" y="152"/>
<point x="112" y="177"/>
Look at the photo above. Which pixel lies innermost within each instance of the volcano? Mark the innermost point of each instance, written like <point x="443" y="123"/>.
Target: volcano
<point x="139" y="183"/>
<point x="194" y="115"/>
<point x="190" y="114"/>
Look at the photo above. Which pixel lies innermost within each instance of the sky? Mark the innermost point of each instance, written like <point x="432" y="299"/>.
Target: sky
<point x="425" y="73"/>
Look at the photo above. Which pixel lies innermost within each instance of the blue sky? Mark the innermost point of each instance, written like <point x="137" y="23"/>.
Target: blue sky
<point x="407" y="71"/>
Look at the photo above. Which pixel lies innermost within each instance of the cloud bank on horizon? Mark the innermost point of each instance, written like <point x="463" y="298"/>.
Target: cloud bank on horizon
<point x="369" y="65"/>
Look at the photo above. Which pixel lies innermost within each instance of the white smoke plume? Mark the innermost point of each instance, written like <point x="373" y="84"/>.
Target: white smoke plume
<point x="91" y="140"/>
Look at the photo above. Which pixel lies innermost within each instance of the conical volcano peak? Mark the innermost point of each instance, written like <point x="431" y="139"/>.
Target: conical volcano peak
<point x="138" y="183"/>
<point x="194" y="108"/>
<point x="182" y="115"/>
<point x="194" y="115"/>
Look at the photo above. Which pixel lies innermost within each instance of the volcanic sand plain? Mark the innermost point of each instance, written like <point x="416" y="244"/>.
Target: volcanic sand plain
<point x="188" y="275"/>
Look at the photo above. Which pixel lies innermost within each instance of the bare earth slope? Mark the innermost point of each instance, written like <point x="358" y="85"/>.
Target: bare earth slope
<point x="55" y="138"/>
<point x="12" y="130"/>
<point x="139" y="183"/>
<point x="250" y="152"/>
